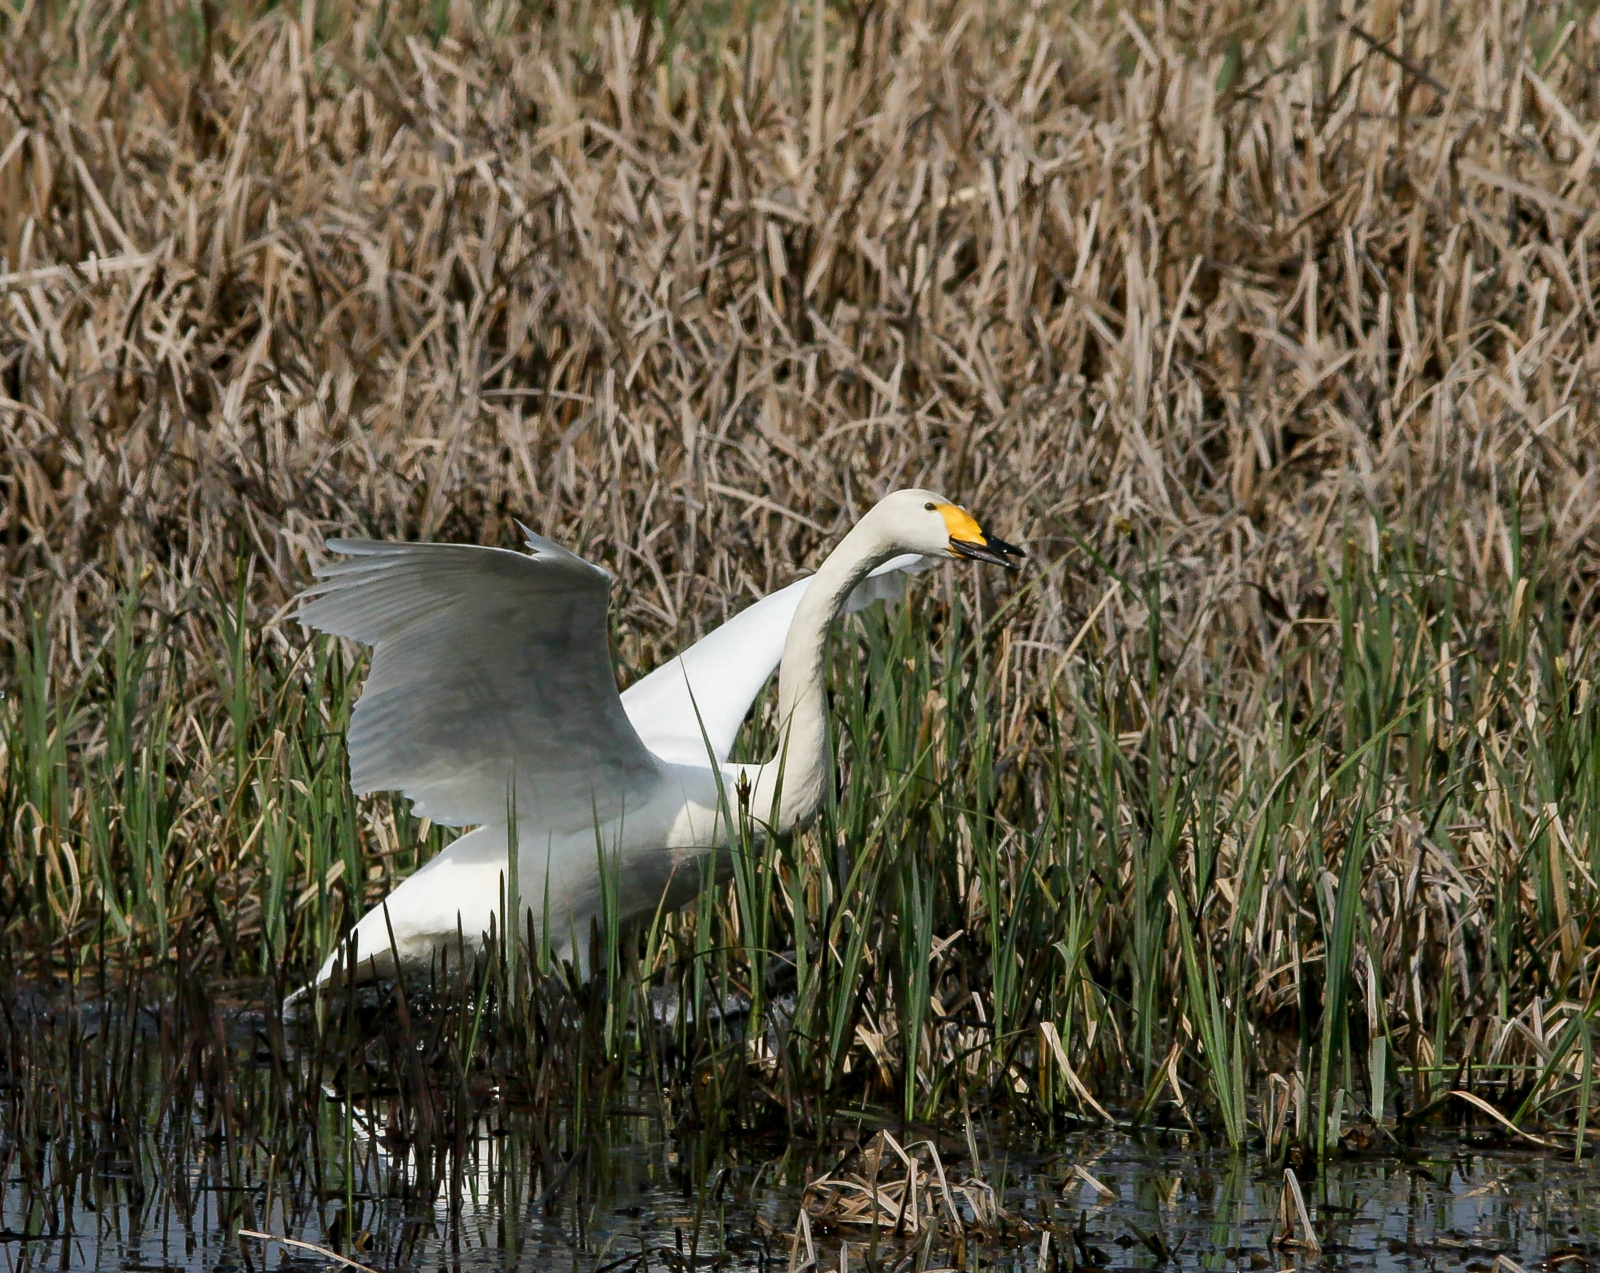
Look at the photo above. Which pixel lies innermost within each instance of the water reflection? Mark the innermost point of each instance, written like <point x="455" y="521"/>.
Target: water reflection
<point x="638" y="1207"/>
<point x="124" y="1150"/>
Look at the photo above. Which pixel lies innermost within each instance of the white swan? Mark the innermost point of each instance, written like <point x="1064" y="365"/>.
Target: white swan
<point x="491" y="688"/>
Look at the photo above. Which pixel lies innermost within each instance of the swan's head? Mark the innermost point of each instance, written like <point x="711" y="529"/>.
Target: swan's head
<point x="918" y="521"/>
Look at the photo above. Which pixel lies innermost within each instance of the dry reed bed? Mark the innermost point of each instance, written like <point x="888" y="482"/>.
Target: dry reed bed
<point x="1243" y="289"/>
<point x="691" y="311"/>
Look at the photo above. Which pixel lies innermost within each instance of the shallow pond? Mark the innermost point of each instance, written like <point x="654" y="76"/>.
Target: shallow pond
<point x="129" y="1142"/>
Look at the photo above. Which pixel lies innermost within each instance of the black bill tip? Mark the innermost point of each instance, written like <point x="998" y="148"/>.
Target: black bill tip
<point x="993" y="550"/>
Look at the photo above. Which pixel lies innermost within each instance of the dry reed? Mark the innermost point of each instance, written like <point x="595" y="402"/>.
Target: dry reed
<point x="1189" y="273"/>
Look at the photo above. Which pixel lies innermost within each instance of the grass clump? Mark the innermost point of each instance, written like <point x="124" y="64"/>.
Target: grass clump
<point x="1265" y="802"/>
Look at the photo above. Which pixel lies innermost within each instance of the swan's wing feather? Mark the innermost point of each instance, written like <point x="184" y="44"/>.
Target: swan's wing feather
<point x="886" y="583"/>
<point x="703" y="695"/>
<point x="485" y="663"/>
<point x="711" y="685"/>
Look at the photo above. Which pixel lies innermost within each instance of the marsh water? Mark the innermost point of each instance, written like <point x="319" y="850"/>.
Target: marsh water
<point x="133" y="1141"/>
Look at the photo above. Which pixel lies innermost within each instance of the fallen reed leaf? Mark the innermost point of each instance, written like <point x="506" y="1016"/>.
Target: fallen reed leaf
<point x="1479" y="1103"/>
<point x="1081" y="1173"/>
<point x="308" y="1246"/>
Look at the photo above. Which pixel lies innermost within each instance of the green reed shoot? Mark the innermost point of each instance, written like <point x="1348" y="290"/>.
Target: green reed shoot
<point x="1179" y="902"/>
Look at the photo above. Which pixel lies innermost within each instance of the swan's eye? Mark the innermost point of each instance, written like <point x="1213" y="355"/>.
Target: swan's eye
<point x="928" y="506"/>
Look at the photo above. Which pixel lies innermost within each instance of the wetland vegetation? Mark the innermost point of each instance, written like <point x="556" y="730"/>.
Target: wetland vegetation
<point x="1261" y="813"/>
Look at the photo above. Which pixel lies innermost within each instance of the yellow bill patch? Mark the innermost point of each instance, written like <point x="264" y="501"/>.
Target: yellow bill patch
<point x="961" y="524"/>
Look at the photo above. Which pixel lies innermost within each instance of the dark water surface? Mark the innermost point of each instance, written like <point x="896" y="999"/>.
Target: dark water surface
<point x="127" y="1145"/>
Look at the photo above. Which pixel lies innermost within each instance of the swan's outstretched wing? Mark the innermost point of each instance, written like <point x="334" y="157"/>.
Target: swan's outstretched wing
<point x="711" y="685"/>
<point x="485" y="662"/>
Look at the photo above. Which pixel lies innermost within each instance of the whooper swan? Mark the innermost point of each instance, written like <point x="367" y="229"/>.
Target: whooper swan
<point x="491" y="688"/>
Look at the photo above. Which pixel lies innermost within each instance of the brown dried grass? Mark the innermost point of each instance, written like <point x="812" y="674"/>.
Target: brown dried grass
<point x="689" y="304"/>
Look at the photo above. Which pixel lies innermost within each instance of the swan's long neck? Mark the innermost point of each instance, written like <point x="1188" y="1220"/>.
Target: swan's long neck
<point x="789" y="787"/>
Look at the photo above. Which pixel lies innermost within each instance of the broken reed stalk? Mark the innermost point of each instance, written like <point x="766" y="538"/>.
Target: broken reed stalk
<point x="1295" y="1229"/>
<point x="1280" y="358"/>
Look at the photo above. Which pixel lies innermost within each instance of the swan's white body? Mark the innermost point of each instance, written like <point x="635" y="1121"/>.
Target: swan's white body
<point x="491" y="689"/>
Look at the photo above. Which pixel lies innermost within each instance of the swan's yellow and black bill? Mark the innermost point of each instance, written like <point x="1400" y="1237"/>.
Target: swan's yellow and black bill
<point x="970" y="540"/>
